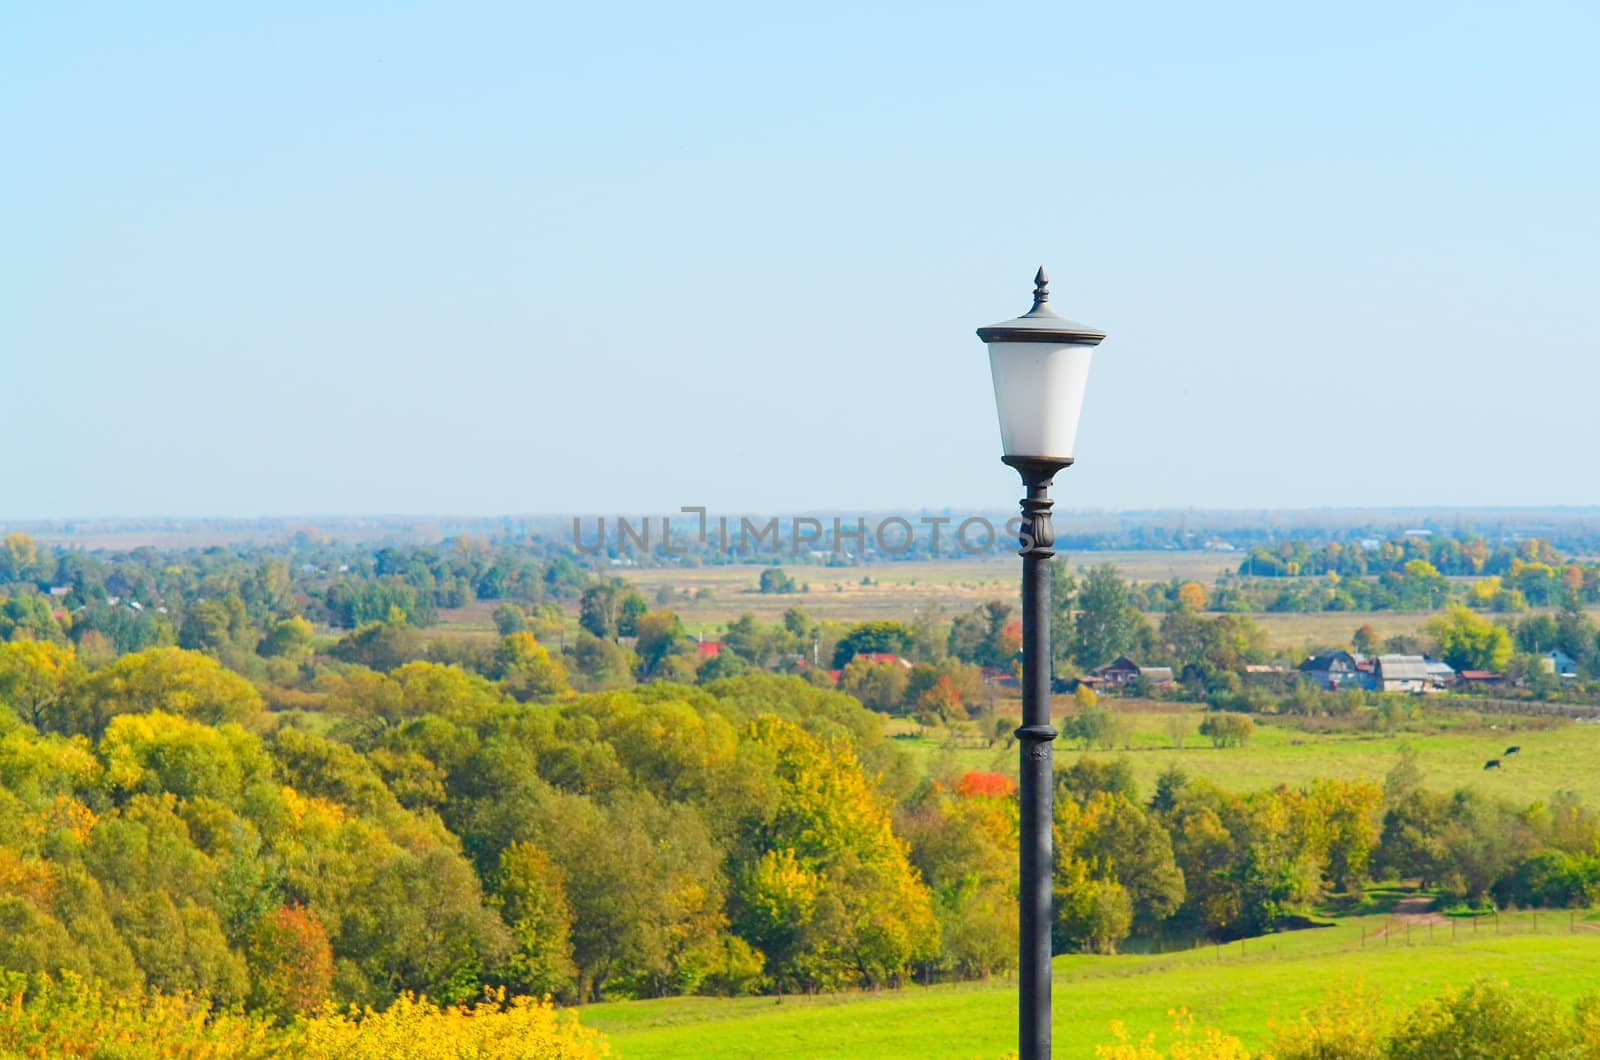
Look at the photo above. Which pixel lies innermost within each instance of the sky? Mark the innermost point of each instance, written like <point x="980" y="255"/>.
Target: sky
<point x="536" y="258"/>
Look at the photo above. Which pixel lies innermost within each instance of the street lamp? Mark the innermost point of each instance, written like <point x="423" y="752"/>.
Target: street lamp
<point x="1040" y="364"/>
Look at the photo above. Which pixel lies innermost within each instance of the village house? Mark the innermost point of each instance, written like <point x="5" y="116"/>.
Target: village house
<point x="1402" y="673"/>
<point x="1333" y="670"/>
<point x="1555" y="661"/>
<point x="1440" y="672"/>
<point x="1119" y="673"/>
<point x="1123" y="672"/>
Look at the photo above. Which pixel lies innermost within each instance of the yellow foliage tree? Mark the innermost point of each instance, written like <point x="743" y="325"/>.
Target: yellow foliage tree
<point x="181" y="682"/>
<point x="35" y="676"/>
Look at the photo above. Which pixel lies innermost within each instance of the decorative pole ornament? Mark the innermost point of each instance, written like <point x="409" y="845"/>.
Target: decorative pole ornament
<point x="1040" y="365"/>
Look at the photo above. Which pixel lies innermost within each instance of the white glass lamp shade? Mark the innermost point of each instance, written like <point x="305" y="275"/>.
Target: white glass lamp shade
<point x="1038" y="391"/>
<point x="1040" y="364"/>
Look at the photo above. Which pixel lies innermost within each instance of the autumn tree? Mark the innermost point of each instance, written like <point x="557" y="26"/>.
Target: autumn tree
<point x="291" y="964"/>
<point x="832" y="899"/>
<point x="35" y="678"/>
<point x="183" y="682"/>
<point x="1468" y="641"/>
<point x="532" y="899"/>
<point x="526" y="670"/>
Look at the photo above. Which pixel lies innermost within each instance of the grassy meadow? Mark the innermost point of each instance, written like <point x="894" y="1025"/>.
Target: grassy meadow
<point x="1239" y="988"/>
<point x="1554" y="757"/>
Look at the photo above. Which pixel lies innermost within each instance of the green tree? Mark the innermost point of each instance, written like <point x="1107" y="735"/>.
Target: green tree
<point x="381" y="646"/>
<point x="1468" y="641"/>
<point x="1106" y="624"/>
<point x="632" y="608"/>
<point x="601" y="663"/>
<point x="289" y="638"/>
<point x="871" y="638"/>
<point x="774" y="580"/>
<point x="879" y="686"/>
<point x="661" y="634"/>
<point x="598" y="609"/>
<point x="509" y="619"/>
<point x="532" y="899"/>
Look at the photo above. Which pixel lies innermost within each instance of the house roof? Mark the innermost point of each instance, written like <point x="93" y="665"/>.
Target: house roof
<point x="1156" y="673"/>
<point x="1121" y="663"/>
<point x="888" y="657"/>
<point x="1403" y="668"/>
<point x="1329" y="660"/>
<point x="1480" y="675"/>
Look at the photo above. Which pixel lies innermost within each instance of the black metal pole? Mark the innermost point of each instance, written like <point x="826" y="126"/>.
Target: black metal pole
<point x="1037" y="783"/>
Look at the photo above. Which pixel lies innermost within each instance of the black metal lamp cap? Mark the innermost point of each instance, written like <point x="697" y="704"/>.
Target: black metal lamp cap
<point x="1041" y="324"/>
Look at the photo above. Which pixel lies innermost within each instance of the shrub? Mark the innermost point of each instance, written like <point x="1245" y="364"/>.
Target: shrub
<point x="413" y="1027"/>
<point x="1487" y="1020"/>
<point x="1227" y="730"/>
<point x="1347" y="1025"/>
<point x="69" y="1017"/>
<point x="1188" y="1043"/>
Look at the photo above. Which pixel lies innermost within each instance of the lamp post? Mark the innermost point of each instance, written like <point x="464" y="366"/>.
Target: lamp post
<point x="1040" y="364"/>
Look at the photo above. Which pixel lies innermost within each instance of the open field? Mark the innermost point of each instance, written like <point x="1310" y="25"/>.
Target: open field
<point x="1564" y="757"/>
<point x="1240" y="988"/>
<point x="706" y="598"/>
<point x="895" y="589"/>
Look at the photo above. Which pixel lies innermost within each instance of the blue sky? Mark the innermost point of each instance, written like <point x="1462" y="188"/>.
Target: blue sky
<point x="478" y="258"/>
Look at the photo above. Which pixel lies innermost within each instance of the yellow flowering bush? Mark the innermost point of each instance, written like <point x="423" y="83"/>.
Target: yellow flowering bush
<point x="413" y="1027"/>
<point x="1188" y="1043"/>
<point x="48" y="1018"/>
<point x="1350" y="1023"/>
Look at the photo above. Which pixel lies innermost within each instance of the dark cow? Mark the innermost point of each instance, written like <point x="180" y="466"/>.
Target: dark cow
<point x="1513" y="749"/>
<point x="1493" y="763"/>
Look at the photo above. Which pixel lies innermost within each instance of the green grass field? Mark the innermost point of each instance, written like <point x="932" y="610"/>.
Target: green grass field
<point x="1240" y="989"/>
<point x="1563" y="757"/>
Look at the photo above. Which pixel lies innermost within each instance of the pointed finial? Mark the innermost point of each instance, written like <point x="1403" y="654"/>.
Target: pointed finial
<point x="1041" y="288"/>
